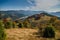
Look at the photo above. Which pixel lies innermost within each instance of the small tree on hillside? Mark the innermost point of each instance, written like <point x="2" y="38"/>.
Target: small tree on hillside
<point x="49" y="32"/>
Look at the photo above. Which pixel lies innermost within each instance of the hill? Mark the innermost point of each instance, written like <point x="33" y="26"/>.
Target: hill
<point x="43" y="14"/>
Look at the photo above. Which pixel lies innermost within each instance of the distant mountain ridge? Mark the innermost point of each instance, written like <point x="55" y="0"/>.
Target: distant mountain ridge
<point x="56" y="13"/>
<point x="16" y="14"/>
<point x="12" y="14"/>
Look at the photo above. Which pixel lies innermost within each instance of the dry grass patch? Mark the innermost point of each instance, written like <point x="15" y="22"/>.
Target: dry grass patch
<point x="26" y="34"/>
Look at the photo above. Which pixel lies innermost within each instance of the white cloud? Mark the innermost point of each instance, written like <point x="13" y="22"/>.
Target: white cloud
<point x="26" y="8"/>
<point x="43" y="4"/>
<point x="5" y="9"/>
<point x="30" y="1"/>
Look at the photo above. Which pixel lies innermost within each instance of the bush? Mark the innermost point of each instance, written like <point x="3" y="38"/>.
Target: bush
<point x="9" y="24"/>
<point x="49" y="32"/>
<point x="2" y="32"/>
<point x="20" y="25"/>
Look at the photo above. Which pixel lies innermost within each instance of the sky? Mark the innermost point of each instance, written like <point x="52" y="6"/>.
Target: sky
<point x="38" y="5"/>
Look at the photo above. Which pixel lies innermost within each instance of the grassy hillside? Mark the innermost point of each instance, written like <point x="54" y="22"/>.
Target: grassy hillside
<point x="32" y="27"/>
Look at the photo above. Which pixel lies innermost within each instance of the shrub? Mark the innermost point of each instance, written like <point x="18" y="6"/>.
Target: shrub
<point x="20" y="25"/>
<point x="2" y="31"/>
<point x="9" y="24"/>
<point x="49" y="32"/>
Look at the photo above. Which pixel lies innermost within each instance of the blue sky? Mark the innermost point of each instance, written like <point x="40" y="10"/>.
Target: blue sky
<point x="48" y="5"/>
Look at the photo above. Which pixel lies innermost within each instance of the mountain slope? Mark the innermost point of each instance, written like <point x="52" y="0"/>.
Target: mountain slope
<point x="43" y="15"/>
